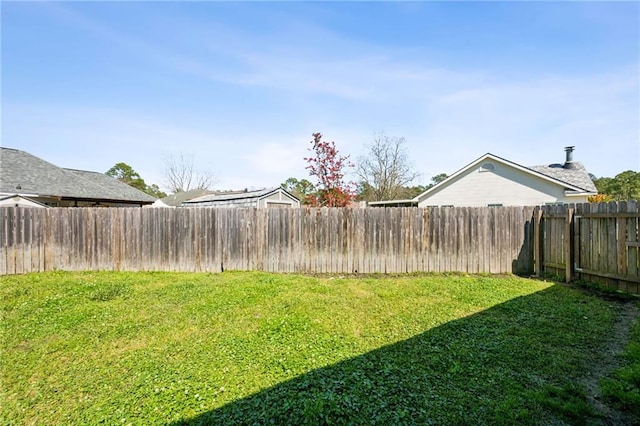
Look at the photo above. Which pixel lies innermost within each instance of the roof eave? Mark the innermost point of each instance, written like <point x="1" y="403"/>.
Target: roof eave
<point x="103" y="200"/>
<point x="570" y="193"/>
<point x="382" y="203"/>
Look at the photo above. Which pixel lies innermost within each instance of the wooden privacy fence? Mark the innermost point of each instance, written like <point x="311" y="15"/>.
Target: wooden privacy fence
<point x="327" y="240"/>
<point x="594" y="242"/>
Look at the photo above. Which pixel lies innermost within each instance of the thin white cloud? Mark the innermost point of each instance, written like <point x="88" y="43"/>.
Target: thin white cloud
<point x="528" y="122"/>
<point x="532" y="120"/>
<point x="324" y="81"/>
<point x="314" y="61"/>
<point x="97" y="138"/>
<point x="276" y="158"/>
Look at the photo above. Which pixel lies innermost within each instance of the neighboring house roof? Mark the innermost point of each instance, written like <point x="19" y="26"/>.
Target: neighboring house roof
<point x="175" y="200"/>
<point x="577" y="176"/>
<point x="113" y="186"/>
<point x="574" y="179"/>
<point x="238" y="195"/>
<point x="29" y="175"/>
<point x="20" y="201"/>
<point x="159" y="204"/>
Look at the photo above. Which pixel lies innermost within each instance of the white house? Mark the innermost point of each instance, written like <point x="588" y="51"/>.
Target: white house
<point x="493" y="181"/>
<point x="263" y="198"/>
<point x="19" y="201"/>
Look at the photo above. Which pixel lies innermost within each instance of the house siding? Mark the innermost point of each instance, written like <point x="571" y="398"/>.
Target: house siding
<point x="505" y="185"/>
<point x="239" y="202"/>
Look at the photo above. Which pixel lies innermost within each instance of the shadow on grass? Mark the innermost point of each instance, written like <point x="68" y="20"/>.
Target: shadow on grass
<point x="517" y="362"/>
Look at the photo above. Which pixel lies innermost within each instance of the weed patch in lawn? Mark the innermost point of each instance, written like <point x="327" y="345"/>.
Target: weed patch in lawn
<point x="107" y="292"/>
<point x="623" y="388"/>
<point x="245" y="348"/>
<point x="568" y="401"/>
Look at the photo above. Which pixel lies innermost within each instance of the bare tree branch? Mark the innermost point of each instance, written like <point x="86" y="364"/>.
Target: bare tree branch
<point x="385" y="170"/>
<point x="181" y="175"/>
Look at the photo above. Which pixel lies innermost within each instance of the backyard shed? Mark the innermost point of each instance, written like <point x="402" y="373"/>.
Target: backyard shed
<point x="263" y="198"/>
<point x="176" y="200"/>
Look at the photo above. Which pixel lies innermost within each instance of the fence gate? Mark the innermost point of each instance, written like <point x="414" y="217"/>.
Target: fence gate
<point x="596" y="242"/>
<point x="607" y="244"/>
<point x="553" y="251"/>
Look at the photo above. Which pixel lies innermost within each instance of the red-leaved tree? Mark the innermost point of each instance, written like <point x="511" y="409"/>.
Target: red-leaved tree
<point x="328" y="168"/>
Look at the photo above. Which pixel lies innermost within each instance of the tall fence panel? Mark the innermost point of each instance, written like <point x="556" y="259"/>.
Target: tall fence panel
<point x="608" y="244"/>
<point x="595" y="242"/>
<point x="375" y="240"/>
<point x="555" y="238"/>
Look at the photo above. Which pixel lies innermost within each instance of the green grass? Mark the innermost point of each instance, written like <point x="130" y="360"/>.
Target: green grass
<point x="258" y="348"/>
<point x="623" y="388"/>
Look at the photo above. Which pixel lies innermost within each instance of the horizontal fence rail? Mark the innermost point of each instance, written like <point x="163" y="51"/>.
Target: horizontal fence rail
<point x="316" y="240"/>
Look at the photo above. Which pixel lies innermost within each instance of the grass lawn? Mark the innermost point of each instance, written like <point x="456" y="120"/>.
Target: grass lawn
<point x="259" y="348"/>
<point x="623" y="389"/>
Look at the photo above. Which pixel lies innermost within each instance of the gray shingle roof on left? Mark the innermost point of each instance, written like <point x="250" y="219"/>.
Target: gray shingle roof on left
<point x="23" y="173"/>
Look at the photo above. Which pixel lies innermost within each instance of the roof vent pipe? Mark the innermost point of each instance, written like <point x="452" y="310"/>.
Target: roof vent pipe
<point x="568" y="164"/>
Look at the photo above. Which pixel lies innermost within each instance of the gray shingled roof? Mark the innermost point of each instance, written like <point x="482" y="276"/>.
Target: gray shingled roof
<point x="23" y="173"/>
<point x="576" y="176"/>
<point x="178" y="198"/>
<point x="113" y="186"/>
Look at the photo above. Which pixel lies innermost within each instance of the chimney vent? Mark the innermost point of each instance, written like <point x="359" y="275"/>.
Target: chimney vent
<point x="568" y="164"/>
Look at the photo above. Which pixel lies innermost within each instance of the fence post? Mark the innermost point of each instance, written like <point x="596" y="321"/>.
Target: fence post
<point x="537" y="241"/>
<point x="568" y="247"/>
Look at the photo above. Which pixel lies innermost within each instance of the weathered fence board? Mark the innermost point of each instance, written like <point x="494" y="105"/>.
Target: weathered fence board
<point x="595" y="242"/>
<point x="393" y="240"/>
<point x="592" y="241"/>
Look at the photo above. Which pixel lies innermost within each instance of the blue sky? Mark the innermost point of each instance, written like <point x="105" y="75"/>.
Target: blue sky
<point x="241" y="86"/>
